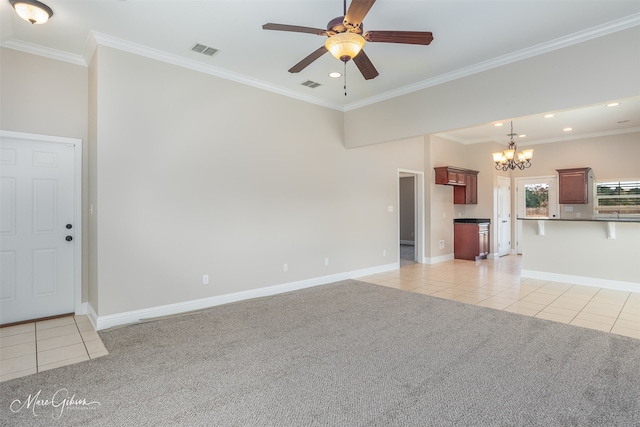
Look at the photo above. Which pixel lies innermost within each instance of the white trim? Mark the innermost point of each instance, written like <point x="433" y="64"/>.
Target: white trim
<point x="93" y="317"/>
<point x="97" y="38"/>
<point x="47" y="52"/>
<point x="581" y="280"/>
<point x="111" y="320"/>
<point x="438" y="259"/>
<point x="77" y="200"/>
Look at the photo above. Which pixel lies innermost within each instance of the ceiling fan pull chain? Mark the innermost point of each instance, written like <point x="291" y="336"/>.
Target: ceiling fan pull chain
<point x="345" y="79"/>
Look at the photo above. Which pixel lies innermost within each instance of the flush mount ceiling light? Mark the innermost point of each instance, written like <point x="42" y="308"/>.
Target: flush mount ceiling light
<point x="32" y="11"/>
<point x="508" y="159"/>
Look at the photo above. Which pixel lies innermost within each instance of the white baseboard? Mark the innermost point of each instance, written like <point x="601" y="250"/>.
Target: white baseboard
<point x="111" y="320"/>
<point x="93" y="317"/>
<point x="438" y="259"/>
<point x="581" y="280"/>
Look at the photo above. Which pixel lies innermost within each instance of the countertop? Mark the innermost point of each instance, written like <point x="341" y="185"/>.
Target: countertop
<point x="598" y="219"/>
<point x="471" y="220"/>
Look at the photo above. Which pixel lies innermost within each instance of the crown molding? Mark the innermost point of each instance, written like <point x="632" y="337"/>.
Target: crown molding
<point x="559" y="43"/>
<point x="99" y="39"/>
<point x="47" y="52"/>
<point x="96" y="38"/>
<point x="504" y="142"/>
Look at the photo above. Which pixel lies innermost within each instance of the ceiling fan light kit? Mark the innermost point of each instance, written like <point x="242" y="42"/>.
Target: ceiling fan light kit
<point x="32" y="11"/>
<point x="510" y="159"/>
<point x="345" y="46"/>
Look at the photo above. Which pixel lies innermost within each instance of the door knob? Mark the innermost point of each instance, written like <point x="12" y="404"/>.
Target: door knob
<point x="68" y="238"/>
<point x="69" y="226"/>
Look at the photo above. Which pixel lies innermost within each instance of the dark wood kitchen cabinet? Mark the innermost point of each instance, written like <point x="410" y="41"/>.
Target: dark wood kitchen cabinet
<point x="464" y="182"/>
<point x="573" y="186"/>
<point x="470" y="240"/>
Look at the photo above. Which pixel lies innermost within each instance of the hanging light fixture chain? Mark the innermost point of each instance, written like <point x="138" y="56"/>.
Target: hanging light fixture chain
<point x="345" y="79"/>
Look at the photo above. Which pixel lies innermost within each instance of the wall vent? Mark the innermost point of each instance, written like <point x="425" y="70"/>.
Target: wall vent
<point x="203" y="49"/>
<point x="310" y="84"/>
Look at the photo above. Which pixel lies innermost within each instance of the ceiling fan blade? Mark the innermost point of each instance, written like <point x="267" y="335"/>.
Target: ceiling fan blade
<point x="365" y="66"/>
<point x="407" y="37"/>
<point x="308" y="60"/>
<point x="358" y="9"/>
<point x="294" y="29"/>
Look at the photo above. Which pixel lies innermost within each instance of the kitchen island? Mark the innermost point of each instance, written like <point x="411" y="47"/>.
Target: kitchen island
<point x="602" y="252"/>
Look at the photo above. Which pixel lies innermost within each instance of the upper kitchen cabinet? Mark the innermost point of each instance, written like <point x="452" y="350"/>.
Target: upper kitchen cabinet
<point x="573" y="186"/>
<point x="464" y="182"/>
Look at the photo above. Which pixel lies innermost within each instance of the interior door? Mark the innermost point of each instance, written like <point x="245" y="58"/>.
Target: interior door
<point x="504" y="216"/>
<point x="536" y="198"/>
<point x="37" y="247"/>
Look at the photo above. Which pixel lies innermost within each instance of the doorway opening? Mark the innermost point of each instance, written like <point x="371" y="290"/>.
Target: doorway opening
<point x="410" y="217"/>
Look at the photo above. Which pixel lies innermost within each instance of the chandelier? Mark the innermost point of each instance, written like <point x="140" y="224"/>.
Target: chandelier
<point x="509" y="159"/>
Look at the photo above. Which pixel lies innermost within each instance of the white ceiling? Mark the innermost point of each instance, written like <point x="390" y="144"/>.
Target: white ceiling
<point x="469" y="36"/>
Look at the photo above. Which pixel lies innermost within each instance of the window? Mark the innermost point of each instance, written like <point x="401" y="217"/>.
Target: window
<point x="537" y="200"/>
<point x="617" y="197"/>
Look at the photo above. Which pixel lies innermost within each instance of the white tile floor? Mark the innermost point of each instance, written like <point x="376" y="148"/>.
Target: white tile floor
<point x="37" y="346"/>
<point x="497" y="284"/>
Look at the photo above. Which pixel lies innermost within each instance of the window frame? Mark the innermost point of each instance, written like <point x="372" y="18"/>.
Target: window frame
<point x="630" y="183"/>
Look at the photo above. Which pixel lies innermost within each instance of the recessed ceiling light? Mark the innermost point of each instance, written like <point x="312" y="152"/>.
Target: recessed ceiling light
<point x="567" y="129"/>
<point x="548" y="116"/>
<point x="613" y="104"/>
<point x="522" y="136"/>
<point x="335" y="74"/>
<point x="498" y="124"/>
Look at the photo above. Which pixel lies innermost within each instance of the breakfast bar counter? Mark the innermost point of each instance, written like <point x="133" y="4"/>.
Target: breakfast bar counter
<point x="602" y="252"/>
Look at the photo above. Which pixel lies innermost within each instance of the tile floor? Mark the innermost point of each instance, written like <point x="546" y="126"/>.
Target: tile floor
<point x="38" y="346"/>
<point x="497" y="284"/>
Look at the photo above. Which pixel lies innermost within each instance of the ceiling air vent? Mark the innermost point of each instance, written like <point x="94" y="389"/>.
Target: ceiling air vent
<point x="310" y="84"/>
<point x="205" y="50"/>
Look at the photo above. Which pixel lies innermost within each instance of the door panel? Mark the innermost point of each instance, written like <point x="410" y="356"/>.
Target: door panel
<point x="38" y="263"/>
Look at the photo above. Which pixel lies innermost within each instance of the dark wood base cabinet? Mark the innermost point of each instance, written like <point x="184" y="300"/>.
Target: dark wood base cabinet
<point x="470" y="241"/>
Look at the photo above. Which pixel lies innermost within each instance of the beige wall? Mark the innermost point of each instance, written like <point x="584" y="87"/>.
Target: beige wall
<point x="191" y="174"/>
<point x="591" y="72"/>
<point x="198" y="175"/>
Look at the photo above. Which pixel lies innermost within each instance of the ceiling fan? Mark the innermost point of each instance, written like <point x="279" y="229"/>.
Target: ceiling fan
<point x="346" y="39"/>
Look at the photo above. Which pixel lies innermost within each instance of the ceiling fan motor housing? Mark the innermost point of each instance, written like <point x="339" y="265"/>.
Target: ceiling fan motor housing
<point x="339" y="25"/>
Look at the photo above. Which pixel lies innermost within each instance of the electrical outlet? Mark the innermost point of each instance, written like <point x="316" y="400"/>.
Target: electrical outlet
<point x="441" y="244"/>
<point x="384" y="252"/>
<point x="326" y="261"/>
<point x="205" y="279"/>
<point x="285" y="268"/>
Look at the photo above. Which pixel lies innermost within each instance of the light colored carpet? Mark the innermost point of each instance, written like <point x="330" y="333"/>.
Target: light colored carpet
<point x="344" y="354"/>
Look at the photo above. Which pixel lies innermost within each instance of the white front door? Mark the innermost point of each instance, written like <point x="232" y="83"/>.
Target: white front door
<point x="37" y="229"/>
<point x="504" y="216"/>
